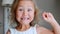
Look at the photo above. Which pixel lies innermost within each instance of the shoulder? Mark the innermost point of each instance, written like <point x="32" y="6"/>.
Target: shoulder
<point x="43" y="30"/>
<point x="8" y="32"/>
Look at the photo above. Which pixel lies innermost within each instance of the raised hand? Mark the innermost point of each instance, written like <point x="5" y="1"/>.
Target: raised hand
<point x="47" y="16"/>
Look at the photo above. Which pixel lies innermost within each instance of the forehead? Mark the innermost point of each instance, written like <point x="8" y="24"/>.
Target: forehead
<point x="26" y="3"/>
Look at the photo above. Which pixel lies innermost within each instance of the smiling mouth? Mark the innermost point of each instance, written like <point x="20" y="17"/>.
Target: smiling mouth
<point x="24" y="18"/>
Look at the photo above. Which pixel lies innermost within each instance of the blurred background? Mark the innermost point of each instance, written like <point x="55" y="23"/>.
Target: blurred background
<point x="52" y="6"/>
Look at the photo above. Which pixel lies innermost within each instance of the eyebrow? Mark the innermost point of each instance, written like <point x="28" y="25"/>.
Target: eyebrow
<point x="22" y="6"/>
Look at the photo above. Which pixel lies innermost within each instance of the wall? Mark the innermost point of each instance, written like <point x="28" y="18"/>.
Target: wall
<point x="1" y="19"/>
<point x="52" y="6"/>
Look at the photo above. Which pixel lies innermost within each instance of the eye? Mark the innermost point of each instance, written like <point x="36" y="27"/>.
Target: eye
<point x="20" y="9"/>
<point x="29" y="10"/>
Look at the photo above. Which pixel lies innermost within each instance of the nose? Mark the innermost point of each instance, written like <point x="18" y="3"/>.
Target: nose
<point x="25" y="13"/>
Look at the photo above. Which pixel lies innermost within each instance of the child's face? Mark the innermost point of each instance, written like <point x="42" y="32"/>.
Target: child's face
<point x="25" y="12"/>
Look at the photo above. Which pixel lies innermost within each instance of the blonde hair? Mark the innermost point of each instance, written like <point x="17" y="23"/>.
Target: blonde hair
<point x="13" y="13"/>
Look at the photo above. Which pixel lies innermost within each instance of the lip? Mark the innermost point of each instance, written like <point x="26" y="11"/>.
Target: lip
<point x="24" y="18"/>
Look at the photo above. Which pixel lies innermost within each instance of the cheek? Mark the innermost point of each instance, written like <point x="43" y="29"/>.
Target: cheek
<point x="32" y="15"/>
<point x="18" y="15"/>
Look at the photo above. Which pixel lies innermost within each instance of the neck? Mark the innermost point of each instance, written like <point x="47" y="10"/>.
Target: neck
<point x="23" y="27"/>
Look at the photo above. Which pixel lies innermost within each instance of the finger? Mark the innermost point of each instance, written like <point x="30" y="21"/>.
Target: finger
<point x="50" y="15"/>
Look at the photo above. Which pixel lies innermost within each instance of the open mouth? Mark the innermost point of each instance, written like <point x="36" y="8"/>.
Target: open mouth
<point x="24" y="18"/>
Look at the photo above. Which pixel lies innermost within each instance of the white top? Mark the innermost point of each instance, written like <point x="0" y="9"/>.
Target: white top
<point x="31" y="30"/>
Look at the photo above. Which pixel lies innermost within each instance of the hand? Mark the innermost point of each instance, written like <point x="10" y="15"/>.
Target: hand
<point x="47" y="16"/>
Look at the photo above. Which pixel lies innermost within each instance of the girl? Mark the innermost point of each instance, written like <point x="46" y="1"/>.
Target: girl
<point x="24" y="13"/>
